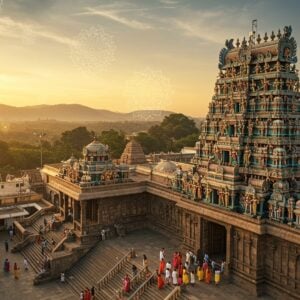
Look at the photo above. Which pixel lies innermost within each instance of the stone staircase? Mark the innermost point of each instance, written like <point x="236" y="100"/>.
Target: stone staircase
<point x="33" y="251"/>
<point x="90" y="268"/>
<point x="149" y="291"/>
<point x="114" y="285"/>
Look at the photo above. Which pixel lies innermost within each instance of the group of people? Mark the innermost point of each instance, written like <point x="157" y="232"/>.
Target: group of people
<point x="16" y="268"/>
<point x="88" y="294"/>
<point x="183" y="271"/>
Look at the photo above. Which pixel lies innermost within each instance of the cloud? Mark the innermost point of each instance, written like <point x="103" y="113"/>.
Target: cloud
<point x="209" y="26"/>
<point x="114" y="15"/>
<point x="18" y="29"/>
<point x="168" y="2"/>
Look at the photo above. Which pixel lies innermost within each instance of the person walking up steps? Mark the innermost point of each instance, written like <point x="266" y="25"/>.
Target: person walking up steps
<point x="25" y="264"/>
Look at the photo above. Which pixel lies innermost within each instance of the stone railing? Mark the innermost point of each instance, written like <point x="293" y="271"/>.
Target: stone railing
<point x="138" y="278"/>
<point x="134" y="283"/>
<point x="114" y="270"/>
<point x="20" y="231"/>
<point x="30" y="220"/>
<point x="60" y="245"/>
<point x="139" y="292"/>
<point x="26" y="241"/>
<point x="175" y="294"/>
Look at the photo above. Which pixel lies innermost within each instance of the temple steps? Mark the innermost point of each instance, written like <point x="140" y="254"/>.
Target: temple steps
<point x="34" y="256"/>
<point x="152" y="292"/>
<point x="115" y="284"/>
<point x="33" y="251"/>
<point x="92" y="267"/>
<point x="57" y="235"/>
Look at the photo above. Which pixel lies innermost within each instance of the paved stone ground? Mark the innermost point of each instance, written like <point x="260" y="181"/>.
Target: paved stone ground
<point x="143" y="241"/>
<point x="23" y="289"/>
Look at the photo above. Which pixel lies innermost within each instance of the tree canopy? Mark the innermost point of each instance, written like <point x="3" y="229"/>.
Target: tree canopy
<point x="173" y="133"/>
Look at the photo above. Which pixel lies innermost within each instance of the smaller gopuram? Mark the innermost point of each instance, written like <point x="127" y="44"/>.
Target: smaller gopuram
<point x="133" y="154"/>
<point x="96" y="167"/>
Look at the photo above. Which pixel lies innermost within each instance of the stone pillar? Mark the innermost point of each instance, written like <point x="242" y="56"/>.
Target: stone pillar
<point x="83" y="215"/>
<point x="198" y="233"/>
<point x="73" y="211"/>
<point x="98" y="212"/>
<point x="228" y="248"/>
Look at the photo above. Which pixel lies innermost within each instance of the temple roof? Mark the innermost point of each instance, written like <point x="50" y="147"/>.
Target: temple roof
<point x="281" y="47"/>
<point x="95" y="147"/>
<point x="133" y="154"/>
<point x="165" y="167"/>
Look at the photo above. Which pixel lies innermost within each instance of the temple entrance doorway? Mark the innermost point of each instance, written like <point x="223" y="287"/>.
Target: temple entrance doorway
<point x="213" y="237"/>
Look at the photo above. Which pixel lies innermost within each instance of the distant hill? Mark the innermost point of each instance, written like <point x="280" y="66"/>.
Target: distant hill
<point x="75" y="113"/>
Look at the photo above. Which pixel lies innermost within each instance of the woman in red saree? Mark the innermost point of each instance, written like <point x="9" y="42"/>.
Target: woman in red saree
<point x="207" y="276"/>
<point x="204" y="268"/>
<point x="180" y="270"/>
<point x="175" y="260"/>
<point x="126" y="284"/>
<point x="162" y="266"/>
<point x="160" y="281"/>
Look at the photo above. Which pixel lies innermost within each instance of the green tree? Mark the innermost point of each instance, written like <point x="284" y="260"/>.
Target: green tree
<point x="149" y="143"/>
<point x="77" y="138"/>
<point x="5" y="157"/>
<point x="178" y="126"/>
<point x="187" y="141"/>
<point x="115" y="140"/>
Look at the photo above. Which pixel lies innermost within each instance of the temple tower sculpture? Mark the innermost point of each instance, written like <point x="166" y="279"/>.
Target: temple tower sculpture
<point x="133" y="154"/>
<point x="248" y="149"/>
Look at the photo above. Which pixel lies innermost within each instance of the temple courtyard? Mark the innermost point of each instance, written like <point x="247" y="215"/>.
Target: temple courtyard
<point x="143" y="241"/>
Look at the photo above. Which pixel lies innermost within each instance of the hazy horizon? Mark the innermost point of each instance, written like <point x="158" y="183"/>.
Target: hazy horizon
<point x="124" y="55"/>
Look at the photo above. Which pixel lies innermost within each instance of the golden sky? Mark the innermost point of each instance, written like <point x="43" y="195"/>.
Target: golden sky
<point x="124" y="55"/>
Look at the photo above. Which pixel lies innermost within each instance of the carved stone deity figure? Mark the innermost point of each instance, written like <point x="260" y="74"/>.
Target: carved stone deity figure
<point x="257" y="68"/>
<point x="184" y="183"/>
<point x="228" y="72"/>
<point x="265" y="83"/>
<point x="221" y="197"/>
<point x="271" y="215"/>
<point x="253" y="86"/>
<point x="278" y="66"/>
<point x="208" y="193"/>
<point x="254" y="206"/>
<point x="217" y="152"/>
<point x="250" y="128"/>
<point x="247" y="157"/>
<point x="267" y="67"/>
<point x="199" y="192"/>
<point x="233" y="72"/>
<point x="247" y="203"/>
<point x="280" y="84"/>
<point x="234" y="157"/>
<point x="296" y="85"/>
<point x="223" y="128"/>
<point x="276" y="84"/>
<point x="279" y="213"/>
<point x="289" y="84"/>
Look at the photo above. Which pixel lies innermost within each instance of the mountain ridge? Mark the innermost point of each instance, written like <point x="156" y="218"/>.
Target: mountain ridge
<point x="75" y="112"/>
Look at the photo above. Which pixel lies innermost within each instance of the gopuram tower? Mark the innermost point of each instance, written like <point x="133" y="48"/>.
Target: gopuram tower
<point x="248" y="150"/>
